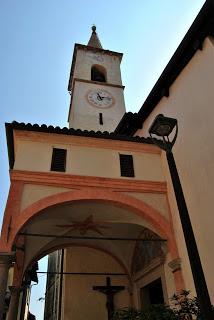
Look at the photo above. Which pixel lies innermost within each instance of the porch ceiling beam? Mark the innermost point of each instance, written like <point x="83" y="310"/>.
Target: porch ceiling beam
<point x="84" y="273"/>
<point x="89" y="238"/>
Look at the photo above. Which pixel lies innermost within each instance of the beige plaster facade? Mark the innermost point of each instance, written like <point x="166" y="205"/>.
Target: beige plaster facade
<point x="47" y="200"/>
<point x="80" y="288"/>
<point x="191" y="102"/>
<point x="34" y="153"/>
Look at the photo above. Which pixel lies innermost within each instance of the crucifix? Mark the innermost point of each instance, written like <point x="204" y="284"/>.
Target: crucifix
<point x="109" y="291"/>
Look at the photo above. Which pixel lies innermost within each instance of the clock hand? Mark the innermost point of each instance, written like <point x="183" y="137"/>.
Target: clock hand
<point x="99" y="97"/>
<point x="106" y="98"/>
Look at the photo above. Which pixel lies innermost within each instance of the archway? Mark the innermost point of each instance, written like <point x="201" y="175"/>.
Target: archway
<point x="137" y="208"/>
<point x="75" y="279"/>
<point x="126" y="216"/>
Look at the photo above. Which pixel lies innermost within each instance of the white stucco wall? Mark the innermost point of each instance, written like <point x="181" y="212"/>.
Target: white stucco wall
<point x="157" y="201"/>
<point x="191" y="102"/>
<point x="32" y="193"/>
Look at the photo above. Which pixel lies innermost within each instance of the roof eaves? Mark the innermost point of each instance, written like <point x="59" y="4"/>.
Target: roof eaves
<point x="10" y="144"/>
<point x="202" y="27"/>
<point x="129" y="123"/>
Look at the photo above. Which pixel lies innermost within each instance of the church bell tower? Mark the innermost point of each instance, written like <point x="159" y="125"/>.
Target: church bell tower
<point x="97" y="99"/>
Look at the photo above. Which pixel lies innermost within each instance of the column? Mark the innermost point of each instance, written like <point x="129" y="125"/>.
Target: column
<point x="175" y="265"/>
<point x="5" y="263"/>
<point x="14" y="303"/>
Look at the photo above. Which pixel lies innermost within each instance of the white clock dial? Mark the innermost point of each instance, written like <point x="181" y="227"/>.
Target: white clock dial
<point x="100" y="98"/>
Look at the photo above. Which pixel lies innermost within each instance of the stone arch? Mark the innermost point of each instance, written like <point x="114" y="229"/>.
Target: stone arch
<point x="52" y="249"/>
<point x="135" y="206"/>
<point x="20" y="273"/>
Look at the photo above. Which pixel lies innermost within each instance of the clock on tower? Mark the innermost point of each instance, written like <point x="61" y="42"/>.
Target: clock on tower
<point x="96" y="87"/>
<point x="100" y="98"/>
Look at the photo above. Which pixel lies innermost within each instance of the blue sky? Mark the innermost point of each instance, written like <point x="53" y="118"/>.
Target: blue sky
<point x="37" y="39"/>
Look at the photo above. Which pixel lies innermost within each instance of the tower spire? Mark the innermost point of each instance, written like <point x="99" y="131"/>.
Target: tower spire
<point x="94" y="40"/>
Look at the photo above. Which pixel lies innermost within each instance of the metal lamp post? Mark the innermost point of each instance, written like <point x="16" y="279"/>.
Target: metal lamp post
<point x="163" y="127"/>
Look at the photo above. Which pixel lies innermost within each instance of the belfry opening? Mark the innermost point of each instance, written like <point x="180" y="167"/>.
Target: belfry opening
<point x="98" y="73"/>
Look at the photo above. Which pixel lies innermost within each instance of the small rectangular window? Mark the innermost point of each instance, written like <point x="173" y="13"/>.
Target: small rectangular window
<point x="58" y="162"/>
<point x="126" y="165"/>
<point x="101" y="118"/>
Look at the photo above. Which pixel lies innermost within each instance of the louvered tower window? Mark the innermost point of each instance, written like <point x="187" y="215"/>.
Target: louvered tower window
<point x="126" y="165"/>
<point x="58" y="162"/>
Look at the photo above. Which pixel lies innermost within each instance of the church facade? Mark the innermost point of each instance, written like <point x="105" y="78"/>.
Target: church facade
<point x="101" y="192"/>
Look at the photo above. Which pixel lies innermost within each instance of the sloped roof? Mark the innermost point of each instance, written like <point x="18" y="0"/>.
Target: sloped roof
<point x="202" y="27"/>
<point x="94" y="40"/>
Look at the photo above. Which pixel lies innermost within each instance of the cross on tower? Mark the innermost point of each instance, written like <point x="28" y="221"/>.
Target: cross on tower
<point x="109" y="291"/>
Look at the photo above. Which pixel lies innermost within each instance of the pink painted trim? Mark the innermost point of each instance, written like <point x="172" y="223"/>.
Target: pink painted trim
<point x="135" y="206"/>
<point x="12" y="211"/>
<point x="77" y="181"/>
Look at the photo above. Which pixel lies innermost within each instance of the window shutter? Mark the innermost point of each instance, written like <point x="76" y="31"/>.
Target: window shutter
<point x="58" y="162"/>
<point x="126" y="165"/>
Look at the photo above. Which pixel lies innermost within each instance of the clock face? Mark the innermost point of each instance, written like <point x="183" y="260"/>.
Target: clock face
<point x="100" y="98"/>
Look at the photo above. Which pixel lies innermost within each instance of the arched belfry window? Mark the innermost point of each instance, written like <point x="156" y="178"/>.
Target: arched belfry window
<point x="98" y="73"/>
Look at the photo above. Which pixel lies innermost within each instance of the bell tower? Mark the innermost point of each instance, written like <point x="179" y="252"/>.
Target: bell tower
<point x="95" y="85"/>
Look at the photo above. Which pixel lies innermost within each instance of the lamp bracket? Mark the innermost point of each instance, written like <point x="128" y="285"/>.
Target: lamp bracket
<point x="165" y="144"/>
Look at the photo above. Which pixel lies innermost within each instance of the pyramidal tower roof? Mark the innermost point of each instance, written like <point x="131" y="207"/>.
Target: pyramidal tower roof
<point x="94" y="40"/>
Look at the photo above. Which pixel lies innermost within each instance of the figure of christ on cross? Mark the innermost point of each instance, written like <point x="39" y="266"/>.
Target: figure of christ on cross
<point x="109" y="291"/>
